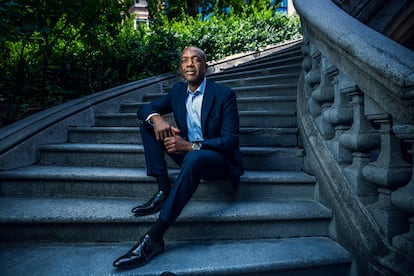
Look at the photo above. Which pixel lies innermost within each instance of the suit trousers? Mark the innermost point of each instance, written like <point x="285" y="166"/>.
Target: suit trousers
<point x="194" y="166"/>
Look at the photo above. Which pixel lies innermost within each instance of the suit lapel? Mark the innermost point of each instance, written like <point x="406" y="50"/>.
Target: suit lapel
<point x="208" y="101"/>
<point x="181" y="115"/>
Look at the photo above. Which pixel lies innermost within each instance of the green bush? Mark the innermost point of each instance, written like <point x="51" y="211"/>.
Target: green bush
<point x="44" y="65"/>
<point x="154" y="50"/>
<point x="229" y="34"/>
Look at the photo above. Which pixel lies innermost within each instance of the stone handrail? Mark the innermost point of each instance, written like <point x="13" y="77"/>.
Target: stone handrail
<point x="356" y="123"/>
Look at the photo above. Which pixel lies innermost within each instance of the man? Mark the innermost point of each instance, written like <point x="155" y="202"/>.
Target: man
<point x="205" y="144"/>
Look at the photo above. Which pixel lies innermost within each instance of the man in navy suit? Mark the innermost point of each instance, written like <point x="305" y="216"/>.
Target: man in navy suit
<point x="205" y="144"/>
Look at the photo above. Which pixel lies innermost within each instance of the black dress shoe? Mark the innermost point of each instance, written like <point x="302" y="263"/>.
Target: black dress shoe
<point x="152" y="206"/>
<point x="140" y="254"/>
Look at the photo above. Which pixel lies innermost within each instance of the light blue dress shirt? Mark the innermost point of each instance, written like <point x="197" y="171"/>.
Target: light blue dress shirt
<point x="193" y="106"/>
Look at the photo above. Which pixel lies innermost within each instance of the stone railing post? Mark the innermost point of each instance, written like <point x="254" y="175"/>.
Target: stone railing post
<point x="361" y="138"/>
<point x="388" y="172"/>
<point x="324" y="96"/>
<point x="306" y="68"/>
<point x="312" y="81"/>
<point x="340" y="115"/>
<point x="403" y="198"/>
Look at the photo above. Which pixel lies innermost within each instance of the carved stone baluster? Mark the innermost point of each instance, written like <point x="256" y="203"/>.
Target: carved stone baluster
<point x="403" y="198"/>
<point x="324" y="92"/>
<point x="340" y="115"/>
<point x="312" y="79"/>
<point x="324" y="96"/>
<point x="361" y="138"/>
<point x="388" y="172"/>
<point x="306" y="68"/>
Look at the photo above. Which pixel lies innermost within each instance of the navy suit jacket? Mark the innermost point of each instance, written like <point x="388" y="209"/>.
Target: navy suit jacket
<point x="219" y="120"/>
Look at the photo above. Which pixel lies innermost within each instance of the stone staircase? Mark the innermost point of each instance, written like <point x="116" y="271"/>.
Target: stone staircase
<point x="70" y="213"/>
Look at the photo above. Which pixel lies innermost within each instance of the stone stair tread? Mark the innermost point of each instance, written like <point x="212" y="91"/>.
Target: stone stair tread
<point x="240" y="98"/>
<point x="16" y="209"/>
<point x="121" y="182"/>
<point x="130" y="135"/>
<point x="267" y="98"/>
<point x="136" y="129"/>
<point x="138" y="174"/>
<point x="131" y="155"/>
<point x="247" y="257"/>
<point x="104" y="129"/>
<point x="289" y="85"/>
<point x="267" y="112"/>
<point x="254" y="135"/>
<point x="273" y="76"/>
<point x="267" y="63"/>
<point x="267" y="79"/>
<point x="86" y="147"/>
<point x="263" y="86"/>
<point x="263" y="150"/>
<point x="290" y="130"/>
<point x="293" y="50"/>
<point x="234" y="73"/>
<point x="120" y="115"/>
<point x="63" y="172"/>
<point x="90" y="147"/>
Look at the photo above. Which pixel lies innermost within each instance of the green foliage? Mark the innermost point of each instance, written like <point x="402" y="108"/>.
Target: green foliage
<point x="44" y="49"/>
<point x="53" y="51"/>
<point x="223" y="35"/>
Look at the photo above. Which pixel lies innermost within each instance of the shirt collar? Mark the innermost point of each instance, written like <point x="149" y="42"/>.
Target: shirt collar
<point x="200" y="90"/>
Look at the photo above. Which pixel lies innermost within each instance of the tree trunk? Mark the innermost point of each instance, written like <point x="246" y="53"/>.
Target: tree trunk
<point x="193" y="6"/>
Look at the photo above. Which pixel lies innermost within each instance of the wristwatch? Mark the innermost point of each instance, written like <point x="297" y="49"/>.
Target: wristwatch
<point x="196" y="146"/>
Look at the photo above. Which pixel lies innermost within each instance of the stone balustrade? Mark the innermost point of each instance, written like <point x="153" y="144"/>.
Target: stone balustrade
<point x="356" y="104"/>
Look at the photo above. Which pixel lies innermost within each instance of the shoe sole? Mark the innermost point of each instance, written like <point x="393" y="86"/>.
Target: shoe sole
<point x="141" y="214"/>
<point x="127" y="267"/>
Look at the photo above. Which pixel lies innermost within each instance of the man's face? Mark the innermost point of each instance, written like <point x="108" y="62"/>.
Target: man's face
<point x="193" y="66"/>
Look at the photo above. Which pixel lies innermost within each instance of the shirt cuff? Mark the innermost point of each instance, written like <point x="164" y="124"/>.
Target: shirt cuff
<point x="148" y="119"/>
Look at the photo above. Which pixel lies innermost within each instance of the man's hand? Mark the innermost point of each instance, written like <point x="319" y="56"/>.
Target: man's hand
<point x="162" y="128"/>
<point x="175" y="143"/>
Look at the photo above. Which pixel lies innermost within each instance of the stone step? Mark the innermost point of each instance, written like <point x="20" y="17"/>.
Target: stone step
<point x="276" y="137"/>
<point x="263" y="64"/>
<point x="277" y="118"/>
<point x="268" y="119"/>
<point x="288" y="57"/>
<point x="120" y="120"/>
<point x="265" y="90"/>
<point x="272" y="70"/>
<point x="104" y="135"/>
<point x="294" y="256"/>
<point x="293" y="51"/>
<point x="46" y="219"/>
<point x="260" y="80"/>
<point x="131" y="107"/>
<point x="132" y="156"/>
<point x="64" y="181"/>
<point x="249" y="136"/>
<point x="279" y="103"/>
<point x="272" y="158"/>
<point x="243" y="103"/>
